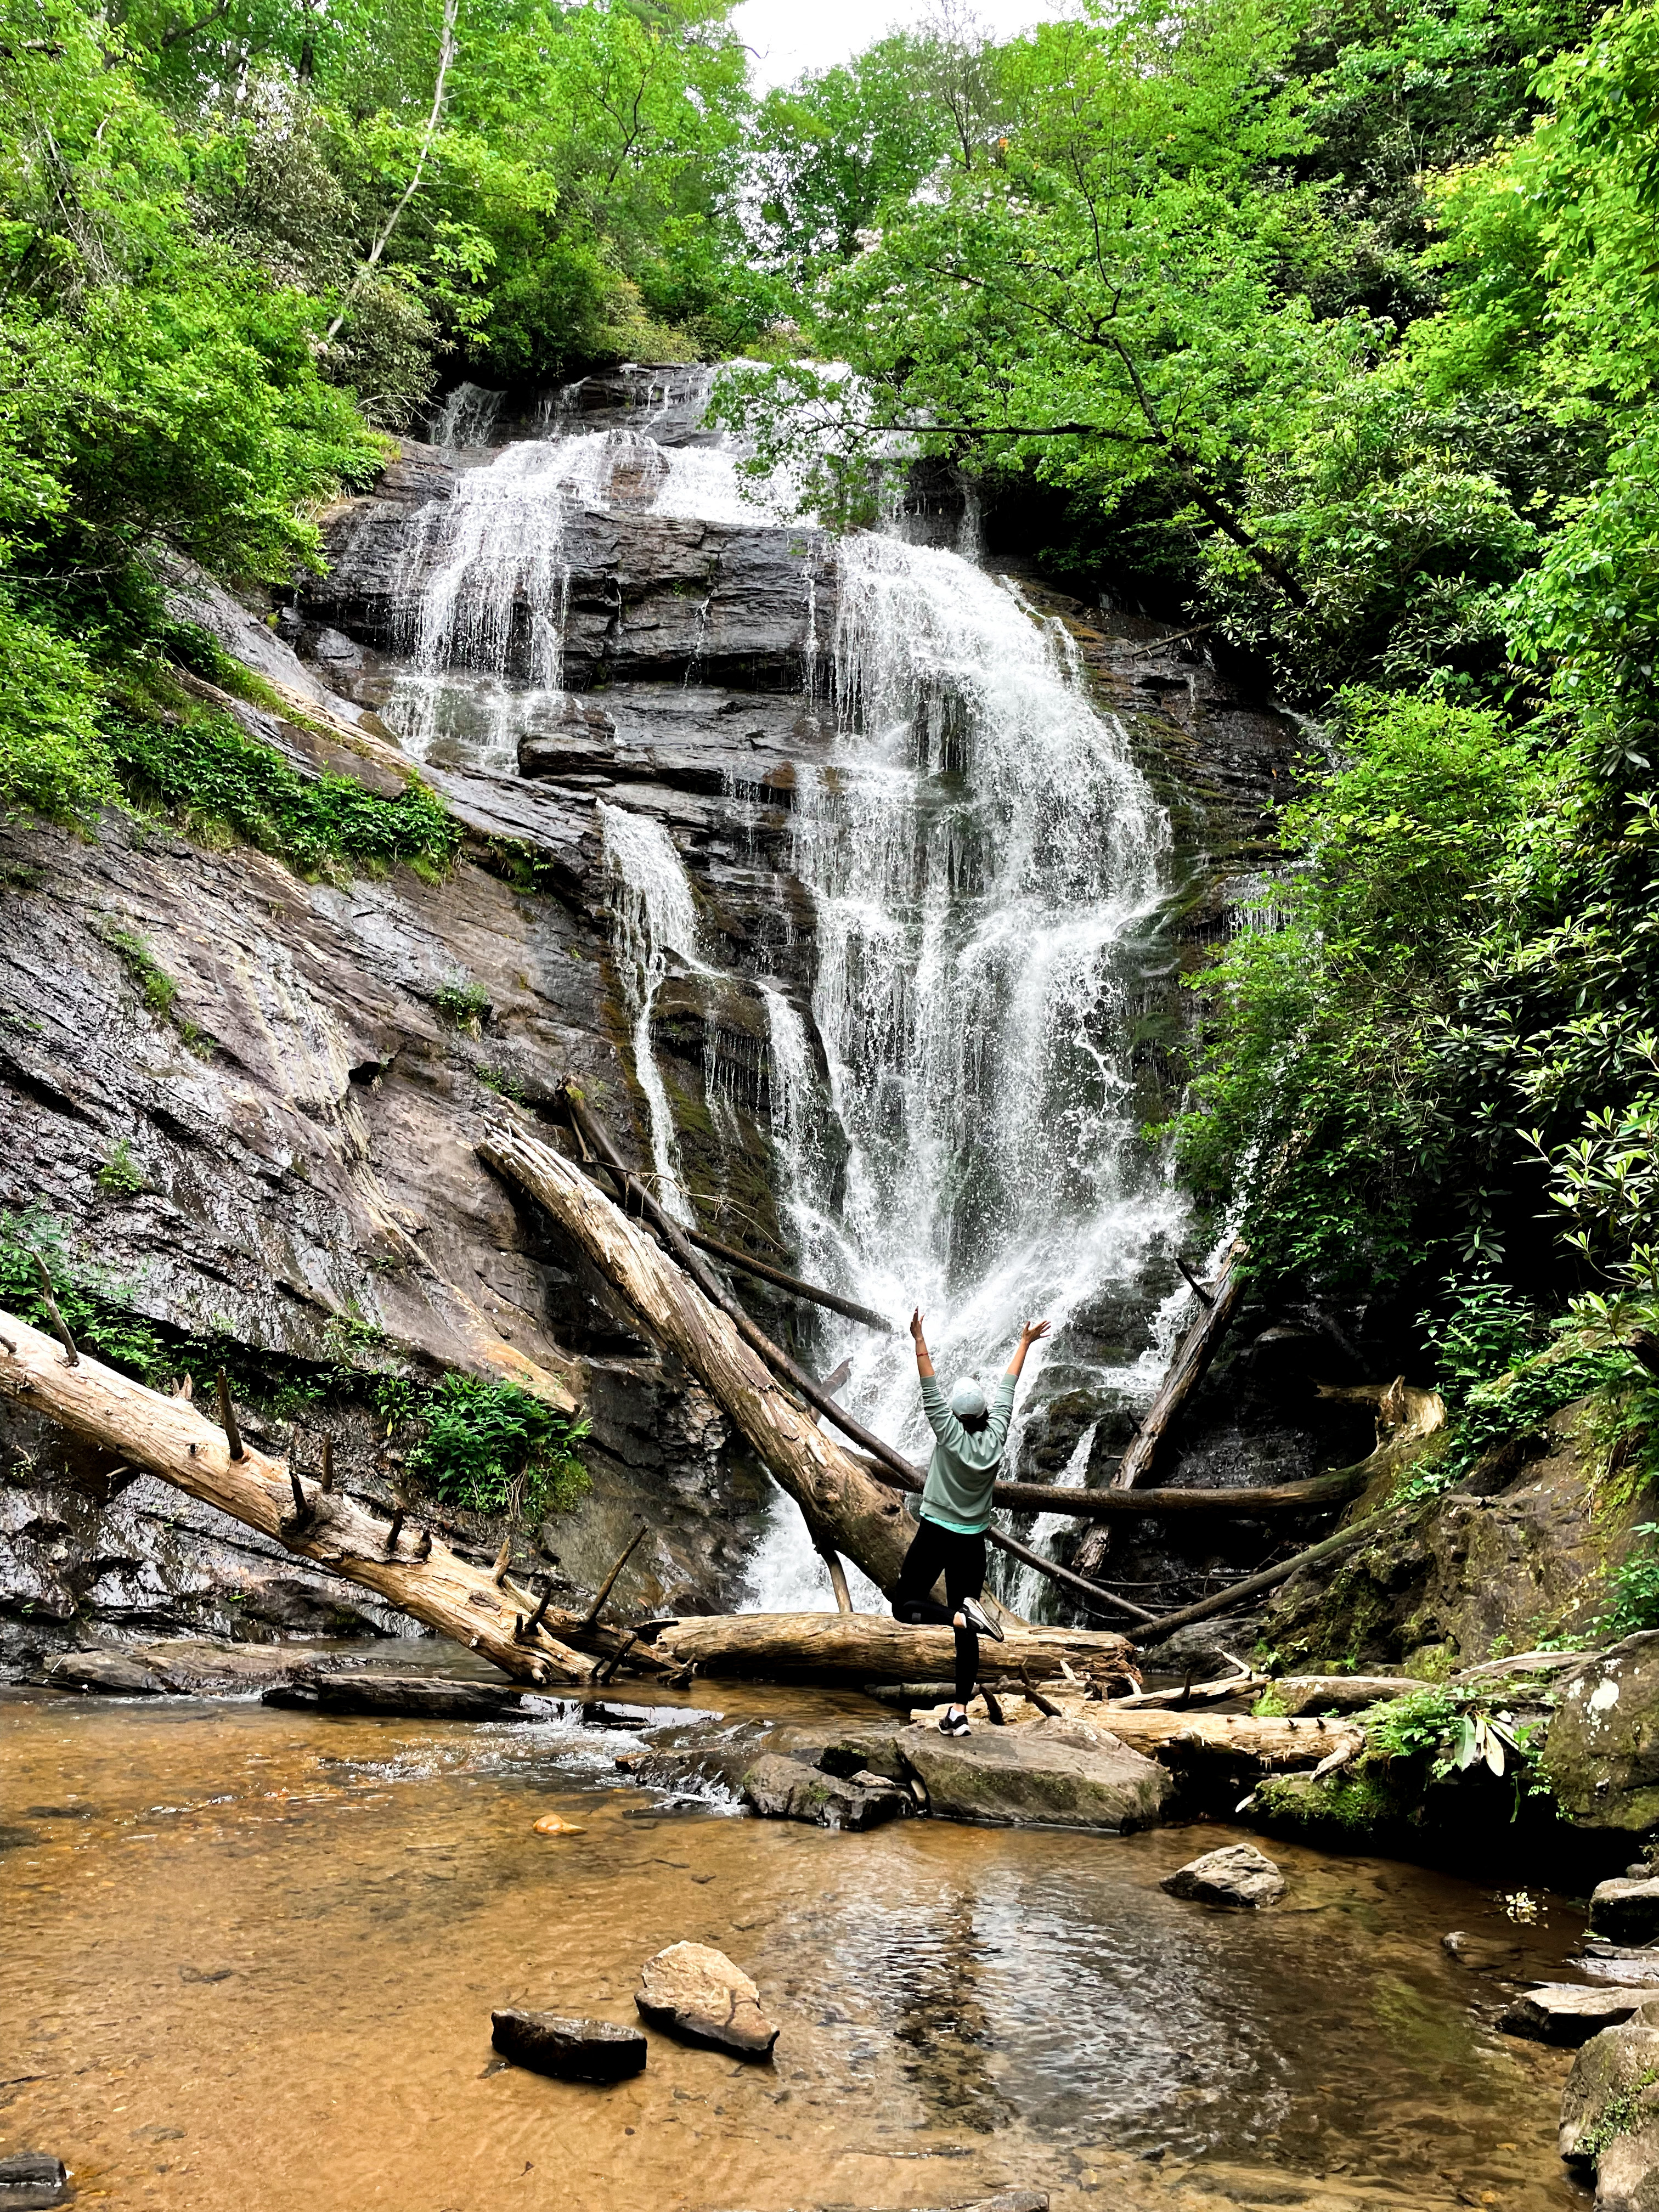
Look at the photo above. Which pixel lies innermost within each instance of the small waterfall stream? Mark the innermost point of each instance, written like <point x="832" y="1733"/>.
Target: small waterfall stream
<point x="985" y="860"/>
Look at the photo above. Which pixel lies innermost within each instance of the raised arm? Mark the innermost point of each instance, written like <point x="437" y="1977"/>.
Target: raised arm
<point x="924" y="1360"/>
<point x="1028" y="1336"/>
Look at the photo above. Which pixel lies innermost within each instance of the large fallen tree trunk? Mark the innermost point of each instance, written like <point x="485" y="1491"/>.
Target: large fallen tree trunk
<point x="843" y="1504"/>
<point x="402" y="1563"/>
<point x="868" y="1647"/>
<point x="683" y="1305"/>
<point x="1268" y="1742"/>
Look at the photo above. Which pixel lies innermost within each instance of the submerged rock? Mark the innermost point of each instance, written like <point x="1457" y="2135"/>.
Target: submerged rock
<point x="420" y="1696"/>
<point x="697" y="1994"/>
<point x="573" y="2049"/>
<point x="1054" y="1774"/>
<point x="1563" y="2012"/>
<point x="1239" y="1875"/>
<point x="1627" y="1911"/>
<point x="33" y="2181"/>
<point x="789" y="1789"/>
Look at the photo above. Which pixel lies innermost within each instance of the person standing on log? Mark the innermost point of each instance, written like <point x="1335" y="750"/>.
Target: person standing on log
<point x="956" y="1511"/>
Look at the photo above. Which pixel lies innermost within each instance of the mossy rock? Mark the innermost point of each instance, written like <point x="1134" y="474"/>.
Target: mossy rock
<point x="1603" y="1756"/>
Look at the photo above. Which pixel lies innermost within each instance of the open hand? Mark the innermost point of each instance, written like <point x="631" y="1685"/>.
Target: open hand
<point x="915" y="1324"/>
<point x="1033" y="1330"/>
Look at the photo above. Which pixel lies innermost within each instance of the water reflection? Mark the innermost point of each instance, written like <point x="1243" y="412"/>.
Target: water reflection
<point x="251" y="1957"/>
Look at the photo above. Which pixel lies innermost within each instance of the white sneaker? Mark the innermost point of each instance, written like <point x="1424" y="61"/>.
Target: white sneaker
<point x="976" y="1617"/>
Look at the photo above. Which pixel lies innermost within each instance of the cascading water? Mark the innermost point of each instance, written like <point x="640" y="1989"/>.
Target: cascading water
<point x="985" y="860"/>
<point x="654" y="921"/>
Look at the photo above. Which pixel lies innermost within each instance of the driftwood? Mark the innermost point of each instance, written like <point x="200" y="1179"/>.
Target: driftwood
<point x="169" y="1438"/>
<point x="868" y="1647"/>
<point x="684" y="1305"/>
<point x="1232" y="1736"/>
<point x="1256" y="1585"/>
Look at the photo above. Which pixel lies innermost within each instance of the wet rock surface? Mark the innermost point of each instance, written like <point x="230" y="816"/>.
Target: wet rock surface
<point x="105" y="1674"/>
<point x="316" y="1690"/>
<point x="698" y="1995"/>
<point x="1626" y="1912"/>
<point x="1237" y="1875"/>
<point x="780" y="1788"/>
<point x="1561" y="2012"/>
<point x="1052" y="1773"/>
<point x="569" y="2048"/>
<point x="1610" y="2116"/>
<point x="1603" y="1756"/>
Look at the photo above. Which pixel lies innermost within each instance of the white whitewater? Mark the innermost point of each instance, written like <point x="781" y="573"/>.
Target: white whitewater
<point x="983" y="855"/>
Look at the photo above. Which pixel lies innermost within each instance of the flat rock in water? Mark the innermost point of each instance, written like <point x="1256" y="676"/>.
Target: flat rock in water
<point x="1627" y="1911"/>
<point x="696" y="1993"/>
<point x="788" y="1790"/>
<point x="31" y="2181"/>
<point x="418" y="1696"/>
<point x="106" y="1675"/>
<point x="1238" y="1875"/>
<point x="1054" y="1773"/>
<point x="1564" y="2012"/>
<point x="573" y="2049"/>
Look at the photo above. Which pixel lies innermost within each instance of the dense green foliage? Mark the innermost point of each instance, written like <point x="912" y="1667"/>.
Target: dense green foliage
<point x="1328" y="325"/>
<point x="493" y="1448"/>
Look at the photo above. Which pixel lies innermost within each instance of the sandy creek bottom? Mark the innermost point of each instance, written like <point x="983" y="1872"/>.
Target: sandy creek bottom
<point x="250" y="1957"/>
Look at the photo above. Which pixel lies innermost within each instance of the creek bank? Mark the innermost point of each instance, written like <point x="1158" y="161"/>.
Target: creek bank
<point x="1610" y="2114"/>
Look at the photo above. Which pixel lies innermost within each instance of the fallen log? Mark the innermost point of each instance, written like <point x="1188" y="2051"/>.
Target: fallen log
<point x="1266" y="1742"/>
<point x="1107" y="1505"/>
<point x="169" y="1438"/>
<point x="888" y="1465"/>
<point x="1256" y="1585"/>
<point x="868" y="1647"/>
<point x="841" y="1500"/>
<point x="792" y="1283"/>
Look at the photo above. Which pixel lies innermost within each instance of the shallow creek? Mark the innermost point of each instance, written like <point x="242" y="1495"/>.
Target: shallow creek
<point x="251" y="1956"/>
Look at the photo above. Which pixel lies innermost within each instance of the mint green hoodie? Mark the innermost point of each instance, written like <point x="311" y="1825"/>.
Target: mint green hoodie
<point x="957" y="1492"/>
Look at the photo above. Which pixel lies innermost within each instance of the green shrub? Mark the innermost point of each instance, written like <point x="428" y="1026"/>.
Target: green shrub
<point x="53" y="758"/>
<point x="195" y="765"/>
<point x="493" y="1448"/>
<point x="464" y="1005"/>
<point x="96" y="1309"/>
<point x="120" y="1176"/>
<point x="1633" y="1589"/>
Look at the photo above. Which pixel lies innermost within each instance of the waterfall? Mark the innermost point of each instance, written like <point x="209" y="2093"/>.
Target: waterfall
<point x="1028" y="1589"/>
<point x="986" y="863"/>
<point x="653" y="920"/>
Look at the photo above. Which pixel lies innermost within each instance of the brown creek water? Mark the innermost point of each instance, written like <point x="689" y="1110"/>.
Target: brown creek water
<point x="250" y="1957"/>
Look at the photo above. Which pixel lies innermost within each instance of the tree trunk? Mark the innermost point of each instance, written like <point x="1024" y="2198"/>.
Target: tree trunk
<point x="1235" y="1735"/>
<point x="868" y="1647"/>
<point x="169" y="1438"/>
<point x="851" y="1511"/>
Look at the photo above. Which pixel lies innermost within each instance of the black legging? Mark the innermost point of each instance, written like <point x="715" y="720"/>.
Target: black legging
<point x="961" y="1559"/>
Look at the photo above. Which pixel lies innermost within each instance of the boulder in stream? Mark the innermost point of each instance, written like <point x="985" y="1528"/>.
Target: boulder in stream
<point x="1238" y="1875"/>
<point x="1625" y="1911"/>
<point x="105" y="1674"/>
<point x="789" y="1789"/>
<point x="33" y="2181"/>
<point x="1052" y="1774"/>
<point x="415" y="1697"/>
<point x="1610" y="2116"/>
<point x="697" y="1994"/>
<point x="1602" y="1756"/>
<point x="573" y="2049"/>
<point x="1569" y="2013"/>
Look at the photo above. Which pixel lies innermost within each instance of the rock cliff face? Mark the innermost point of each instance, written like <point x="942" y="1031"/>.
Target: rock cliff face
<point x="301" y="1117"/>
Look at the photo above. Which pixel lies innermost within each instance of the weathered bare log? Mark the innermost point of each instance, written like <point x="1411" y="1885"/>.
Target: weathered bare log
<point x="792" y="1283"/>
<point x="1110" y="1504"/>
<point x="170" y="1438"/>
<point x="1232" y="1736"/>
<point x="868" y="1647"/>
<point x="891" y="1466"/>
<point x="861" y="1517"/>
<point x="613" y="1577"/>
<point x="1256" y="1585"/>
<point x="837" y="1574"/>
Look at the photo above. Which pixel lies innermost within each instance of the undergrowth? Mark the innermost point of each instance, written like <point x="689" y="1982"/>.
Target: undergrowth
<point x="493" y="1448"/>
<point x="191" y="764"/>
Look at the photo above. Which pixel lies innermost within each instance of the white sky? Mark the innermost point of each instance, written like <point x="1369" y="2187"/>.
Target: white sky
<point x="787" y="36"/>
